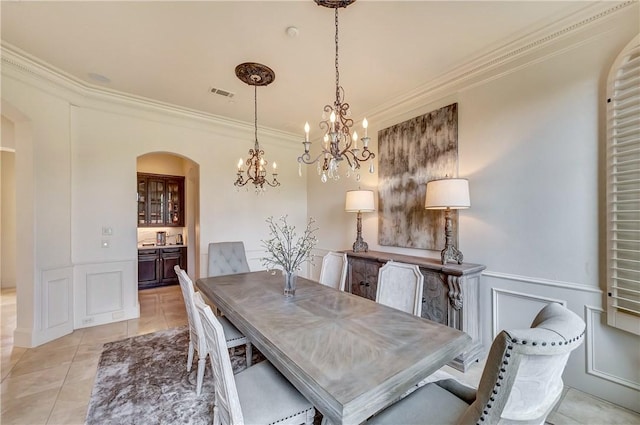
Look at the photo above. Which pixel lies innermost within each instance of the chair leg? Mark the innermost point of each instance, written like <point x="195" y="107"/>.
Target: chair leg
<point x="190" y="356"/>
<point x="202" y="362"/>
<point x="249" y="353"/>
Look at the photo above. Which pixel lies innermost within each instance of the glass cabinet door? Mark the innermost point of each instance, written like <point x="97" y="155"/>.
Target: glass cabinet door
<point x="142" y="204"/>
<point x="156" y="202"/>
<point x="160" y="200"/>
<point x="174" y="207"/>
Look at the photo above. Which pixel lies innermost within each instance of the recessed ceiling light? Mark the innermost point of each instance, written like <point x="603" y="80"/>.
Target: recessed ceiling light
<point x="99" y="78"/>
<point x="292" y="32"/>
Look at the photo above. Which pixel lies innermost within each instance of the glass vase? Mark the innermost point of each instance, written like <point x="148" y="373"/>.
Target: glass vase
<point x="290" y="279"/>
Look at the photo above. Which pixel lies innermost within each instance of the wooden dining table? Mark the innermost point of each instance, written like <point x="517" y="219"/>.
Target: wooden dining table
<point x="349" y="356"/>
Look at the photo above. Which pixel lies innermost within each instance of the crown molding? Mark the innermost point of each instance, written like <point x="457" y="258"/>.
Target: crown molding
<point x="469" y="73"/>
<point x="487" y="65"/>
<point x="35" y="72"/>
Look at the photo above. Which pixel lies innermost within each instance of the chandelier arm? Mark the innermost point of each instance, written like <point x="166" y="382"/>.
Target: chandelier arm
<point x="306" y="158"/>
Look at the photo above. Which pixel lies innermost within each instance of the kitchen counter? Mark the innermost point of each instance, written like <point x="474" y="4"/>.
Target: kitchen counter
<point x="140" y="247"/>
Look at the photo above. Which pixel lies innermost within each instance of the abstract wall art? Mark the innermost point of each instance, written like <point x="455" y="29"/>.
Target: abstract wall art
<point x="412" y="153"/>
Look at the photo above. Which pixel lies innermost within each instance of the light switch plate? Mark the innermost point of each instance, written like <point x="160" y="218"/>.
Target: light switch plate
<point x="107" y="231"/>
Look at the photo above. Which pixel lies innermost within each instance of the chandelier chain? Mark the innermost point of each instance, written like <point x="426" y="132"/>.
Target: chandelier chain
<point x="255" y="110"/>
<point x="336" y="62"/>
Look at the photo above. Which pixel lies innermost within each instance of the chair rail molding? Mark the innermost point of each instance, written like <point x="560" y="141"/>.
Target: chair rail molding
<point x="542" y="281"/>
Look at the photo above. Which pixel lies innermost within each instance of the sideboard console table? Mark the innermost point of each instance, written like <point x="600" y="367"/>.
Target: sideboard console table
<point x="450" y="295"/>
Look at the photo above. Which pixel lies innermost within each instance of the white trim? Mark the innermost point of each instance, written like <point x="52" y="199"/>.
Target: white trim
<point x="498" y="57"/>
<point x="3" y="149"/>
<point x="495" y="308"/>
<point x="589" y="312"/>
<point x="501" y="55"/>
<point x="89" y="96"/>
<point x="541" y="281"/>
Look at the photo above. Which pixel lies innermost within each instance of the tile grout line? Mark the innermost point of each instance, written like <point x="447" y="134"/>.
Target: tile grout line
<point x="63" y="381"/>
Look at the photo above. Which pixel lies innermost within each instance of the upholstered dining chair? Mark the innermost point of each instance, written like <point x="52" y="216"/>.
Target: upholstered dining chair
<point x="256" y="395"/>
<point x="227" y="258"/>
<point x="334" y="270"/>
<point x="400" y="287"/>
<point x="197" y="341"/>
<point x="520" y="384"/>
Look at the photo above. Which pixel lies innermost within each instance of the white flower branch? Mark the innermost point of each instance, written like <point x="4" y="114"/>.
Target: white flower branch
<point x="284" y="249"/>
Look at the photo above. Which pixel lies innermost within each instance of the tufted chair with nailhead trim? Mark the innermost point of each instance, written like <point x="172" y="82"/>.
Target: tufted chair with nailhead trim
<point x="520" y="384"/>
<point x="227" y="258"/>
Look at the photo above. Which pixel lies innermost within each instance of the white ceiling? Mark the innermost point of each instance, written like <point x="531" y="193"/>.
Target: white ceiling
<point x="175" y="51"/>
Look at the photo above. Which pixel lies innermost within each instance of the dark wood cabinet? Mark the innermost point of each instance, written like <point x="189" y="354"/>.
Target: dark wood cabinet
<point x="450" y="293"/>
<point x="364" y="277"/>
<point x="160" y="200"/>
<point x="155" y="266"/>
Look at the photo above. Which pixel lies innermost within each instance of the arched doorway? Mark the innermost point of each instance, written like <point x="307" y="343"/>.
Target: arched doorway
<point x="173" y="164"/>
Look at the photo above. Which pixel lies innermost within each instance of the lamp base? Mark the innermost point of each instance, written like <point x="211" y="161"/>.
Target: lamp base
<point x="451" y="254"/>
<point x="360" y="246"/>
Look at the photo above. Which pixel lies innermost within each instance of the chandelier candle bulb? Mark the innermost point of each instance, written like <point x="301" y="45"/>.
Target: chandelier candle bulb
<point x="240" y="164"/>
<point x="365" y="124"/>
<point x="355" y="140"/>
<point x="306" y="132"/>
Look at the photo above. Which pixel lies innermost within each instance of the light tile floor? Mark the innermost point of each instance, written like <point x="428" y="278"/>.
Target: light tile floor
<point x="51" y="384"/>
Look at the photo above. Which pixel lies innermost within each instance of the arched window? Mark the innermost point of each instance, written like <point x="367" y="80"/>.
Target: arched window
<point x="623" y="190"/>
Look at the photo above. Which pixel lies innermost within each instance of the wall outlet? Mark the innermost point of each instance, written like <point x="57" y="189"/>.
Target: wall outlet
<point x="87" y="320"/>
<point x="105" y="243"/>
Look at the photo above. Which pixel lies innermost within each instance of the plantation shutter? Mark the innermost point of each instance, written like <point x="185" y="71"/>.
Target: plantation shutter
<point x="623" y="190"/>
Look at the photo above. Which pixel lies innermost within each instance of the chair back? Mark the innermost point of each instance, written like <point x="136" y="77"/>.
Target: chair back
<point x="400" y="287"/>
<point x="189" y="295"/>
<point x="227" y="258"/>
<point x="226" y="404"/>
<point x="334" y="270"/>
<point x="522" y="378"/>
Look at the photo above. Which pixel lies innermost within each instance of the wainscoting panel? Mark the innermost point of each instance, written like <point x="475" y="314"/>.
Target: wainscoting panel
<point x="55" y="297"/>
<point x="105" y="293"/>
<point x="605" y="358"/>
<point x="516" y="310"/>
<point x="606" y="365"/>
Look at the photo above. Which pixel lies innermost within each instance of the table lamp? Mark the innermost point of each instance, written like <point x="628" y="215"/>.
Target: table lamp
<point x="359" y="201"/>
<point x="448" y="194"/>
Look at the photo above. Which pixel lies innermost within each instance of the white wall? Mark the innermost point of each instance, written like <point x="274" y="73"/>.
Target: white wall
<point x="531" y="143"/>
<point x="7" y="206"/>
<point x="531" y="137"/>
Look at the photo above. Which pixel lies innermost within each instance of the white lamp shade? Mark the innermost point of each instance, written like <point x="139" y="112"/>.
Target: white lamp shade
<point x="447" y="193"/>
<point x="359" y="200"/>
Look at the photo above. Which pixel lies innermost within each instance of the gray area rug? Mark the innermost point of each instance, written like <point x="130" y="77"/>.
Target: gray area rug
<point x="144" y="380"/>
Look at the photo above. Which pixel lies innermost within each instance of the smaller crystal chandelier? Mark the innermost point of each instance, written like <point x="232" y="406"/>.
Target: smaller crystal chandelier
<point x="255" y="75"/>
<point x="339" y="144"/>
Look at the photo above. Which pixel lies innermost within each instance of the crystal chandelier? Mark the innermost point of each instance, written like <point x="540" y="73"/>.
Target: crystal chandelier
<point x="255" y="75"/>
<point x="338" y="144"/>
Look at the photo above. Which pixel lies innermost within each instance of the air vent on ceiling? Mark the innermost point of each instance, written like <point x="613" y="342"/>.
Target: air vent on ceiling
<point x="221" y="92"/>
